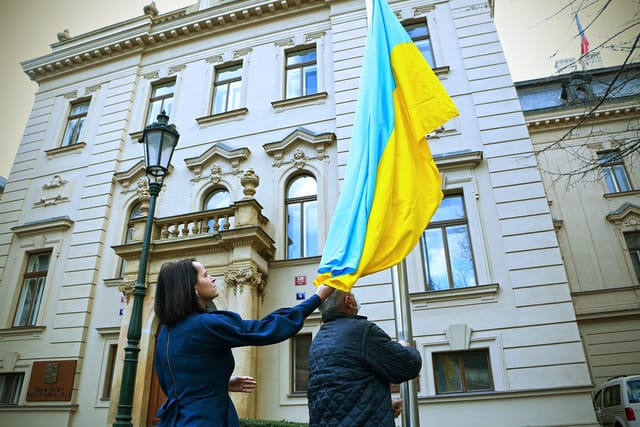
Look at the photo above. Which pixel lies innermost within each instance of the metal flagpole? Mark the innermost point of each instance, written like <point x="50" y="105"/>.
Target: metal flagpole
<point x="402" y="306"/>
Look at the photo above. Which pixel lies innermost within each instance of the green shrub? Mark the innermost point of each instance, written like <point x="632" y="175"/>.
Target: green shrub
<point x="248" y="422"/>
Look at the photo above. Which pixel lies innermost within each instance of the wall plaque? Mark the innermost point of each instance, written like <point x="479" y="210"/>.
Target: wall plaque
<point x="51" y="381"/>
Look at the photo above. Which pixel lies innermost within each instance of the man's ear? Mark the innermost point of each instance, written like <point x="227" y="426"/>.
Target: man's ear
<point x="349" y="302"/>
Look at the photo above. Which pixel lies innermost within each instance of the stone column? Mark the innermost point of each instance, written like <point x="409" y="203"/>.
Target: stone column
<point x="244" y="287"/>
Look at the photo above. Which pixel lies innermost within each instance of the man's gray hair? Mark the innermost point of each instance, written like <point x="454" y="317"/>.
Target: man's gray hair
<point x="334" y="303"/>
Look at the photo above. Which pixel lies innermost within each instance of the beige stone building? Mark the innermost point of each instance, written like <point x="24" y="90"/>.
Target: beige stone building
<point x="263" y="94"/>
<point x="587" y="148"/>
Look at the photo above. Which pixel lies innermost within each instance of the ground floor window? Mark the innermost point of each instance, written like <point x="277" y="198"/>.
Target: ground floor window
<point x="10" y="387"/>
<point x="462" y="371"/>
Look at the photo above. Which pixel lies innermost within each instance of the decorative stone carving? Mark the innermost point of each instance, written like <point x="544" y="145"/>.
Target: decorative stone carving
<point x="127" y="289"/>
<point x="150" y="10"/>
<point x="55" y="182"/>
<point x="64" y="35"/>
<point x="216" y="173"/>
<point x="250" y="182"/>
<point x="53" y="192"/>
<point x="299" y="158"/>
<point x="142" y="191"/>
<point x="236" y="279"/>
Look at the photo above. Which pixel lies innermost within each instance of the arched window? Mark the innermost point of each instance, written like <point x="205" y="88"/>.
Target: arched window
<point x="302" y="217"/>
<point x="217" y="199"/>
<point x="134" y="212"/>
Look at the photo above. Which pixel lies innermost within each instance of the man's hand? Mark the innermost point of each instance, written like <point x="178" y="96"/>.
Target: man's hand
<point x="396" y="406"/>
<point x="242" y="384"/>
<point x="323" y="291"/>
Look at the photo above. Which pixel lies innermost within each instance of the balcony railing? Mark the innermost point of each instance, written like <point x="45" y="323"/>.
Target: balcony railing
<point x="195" y="224"/>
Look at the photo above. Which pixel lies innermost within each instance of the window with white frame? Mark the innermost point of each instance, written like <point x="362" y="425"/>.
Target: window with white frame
<point x="633" y="245"/>
<point x="419" y="33"/>
<point x="227" y="88"/>
<point x="462" y="371"/>
<point x="10" y="388"/>
<point x="107" y="381"/>
<point x="301" y="72"/>
<point x="300" y="345"/>
<point x="134" y="212"/>
<point x="613" y="171"/>
<point x="75" y="122"/>
<point x="302" y="217"/>
<point x="161" y="100"/>
<point x="446" y="247"/>
<point x="33" y="282"/>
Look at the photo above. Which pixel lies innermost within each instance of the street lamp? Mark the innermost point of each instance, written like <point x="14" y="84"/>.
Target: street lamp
<point x="160" y="139"/>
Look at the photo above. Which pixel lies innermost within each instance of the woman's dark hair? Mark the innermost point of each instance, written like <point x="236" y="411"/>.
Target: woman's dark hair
<point x="175" y="291"/>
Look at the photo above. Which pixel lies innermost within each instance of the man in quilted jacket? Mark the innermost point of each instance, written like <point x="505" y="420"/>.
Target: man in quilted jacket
<point x="352" y="362"/>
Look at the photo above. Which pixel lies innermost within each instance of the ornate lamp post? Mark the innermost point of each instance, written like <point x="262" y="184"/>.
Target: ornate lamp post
<point x="160" y="139"/>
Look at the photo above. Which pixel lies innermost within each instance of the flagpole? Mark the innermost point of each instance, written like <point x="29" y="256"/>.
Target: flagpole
<point x="402" y="306"/>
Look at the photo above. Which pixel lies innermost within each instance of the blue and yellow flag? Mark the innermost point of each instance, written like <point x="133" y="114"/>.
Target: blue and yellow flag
<point x="392" y="186"/>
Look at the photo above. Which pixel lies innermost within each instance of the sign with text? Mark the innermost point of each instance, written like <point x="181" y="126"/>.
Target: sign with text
<point x="301" y="280"/>
<point x="51" y="381"/>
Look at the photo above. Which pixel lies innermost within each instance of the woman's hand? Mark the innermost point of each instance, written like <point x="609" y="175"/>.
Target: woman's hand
<point x="242" y="384"/>
<point x="324" y="291"/>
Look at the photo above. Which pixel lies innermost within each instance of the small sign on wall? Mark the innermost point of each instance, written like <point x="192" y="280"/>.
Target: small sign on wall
<point x="300" y="280"/>
<point x="51" y="381"/>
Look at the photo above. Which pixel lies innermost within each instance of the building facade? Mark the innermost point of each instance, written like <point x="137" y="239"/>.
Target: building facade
<point x="263" y="94"/>
<point x="584" y="127"/>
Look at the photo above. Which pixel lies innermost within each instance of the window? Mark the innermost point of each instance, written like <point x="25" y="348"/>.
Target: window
<point x="301" y="73"/>
<point x="462" y="371"/>
<point x="300" y="362"/>
<point x="161" y="100"/>
<point x="75" y="122"/>
<point x="227" y="89"/>
<point x="611" y="396"/>
<point x="446" y="247"/>
<point x="135" y="212"/>
<point x="110" y="368"/>
<point x="218" y="199"/>
<point x="10" y="387"/>
<point x="302" y="217"/>
<point x="419" y="33"/>
<point x="613" y="171"/>
<point x="633" y="245"/>
<point x="32" y="289"/>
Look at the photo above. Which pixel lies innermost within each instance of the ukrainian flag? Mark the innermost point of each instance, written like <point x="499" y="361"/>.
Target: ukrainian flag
<point x="392" y="186"/>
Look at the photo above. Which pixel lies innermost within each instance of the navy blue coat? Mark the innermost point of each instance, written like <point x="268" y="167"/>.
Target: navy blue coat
<point x="194" y="361"/>
<point x="351" y="363"/>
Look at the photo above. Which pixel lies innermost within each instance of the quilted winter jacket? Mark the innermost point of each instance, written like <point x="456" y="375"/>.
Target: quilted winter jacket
<point x="352" y="361"/>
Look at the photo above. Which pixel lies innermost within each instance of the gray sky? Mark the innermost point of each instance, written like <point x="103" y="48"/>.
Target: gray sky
<point x="534" y="35"/>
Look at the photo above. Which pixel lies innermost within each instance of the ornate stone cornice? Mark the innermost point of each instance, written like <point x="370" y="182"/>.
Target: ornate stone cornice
<point x="563" y="119"/>
<point x="293" y="143"/>
<point x="150" y="32"/>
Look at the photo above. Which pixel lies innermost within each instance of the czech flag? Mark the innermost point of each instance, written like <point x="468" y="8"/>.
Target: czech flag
<point x="584" y="43"/>
<point x="392" y="186"/>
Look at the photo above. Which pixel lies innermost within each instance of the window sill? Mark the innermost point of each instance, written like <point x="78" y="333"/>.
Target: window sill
<point x="58" y="151"/>
<point x="621" y="194"/>
<point x="285" y="104"/>
<point x="455" y="297"/>
<point x="135" y="136"/>
<point x="220" y="117"/>
<point x="22" y="332"/>
<point x="442" y="71"/>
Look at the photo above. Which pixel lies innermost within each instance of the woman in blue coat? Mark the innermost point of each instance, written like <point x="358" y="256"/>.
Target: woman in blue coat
<point x="193" y="356"/>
